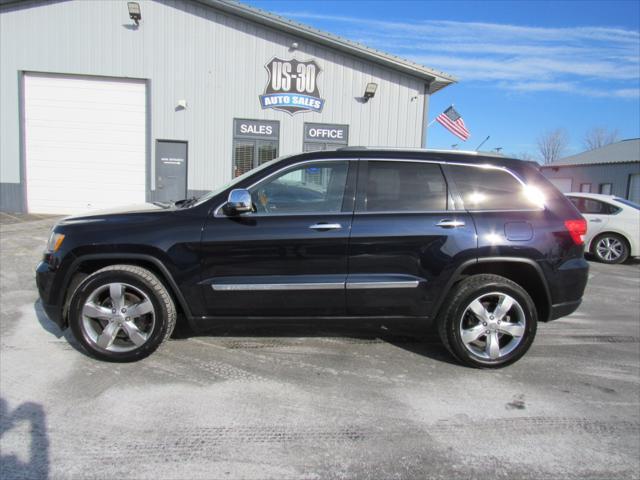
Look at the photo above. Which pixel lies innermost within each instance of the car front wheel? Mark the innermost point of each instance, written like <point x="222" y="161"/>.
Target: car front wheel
<point x="488" y="321"/>
<point x="121" y="313"/>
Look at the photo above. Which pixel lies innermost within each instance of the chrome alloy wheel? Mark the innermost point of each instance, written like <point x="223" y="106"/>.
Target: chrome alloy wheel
<point x="492" y="325"/>
<point x="118" y="317"/>
<point x="609" y="249"/>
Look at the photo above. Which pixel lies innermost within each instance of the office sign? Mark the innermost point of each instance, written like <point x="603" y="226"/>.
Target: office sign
<point x="326" y="133"/>
<point x="292" y="86"/>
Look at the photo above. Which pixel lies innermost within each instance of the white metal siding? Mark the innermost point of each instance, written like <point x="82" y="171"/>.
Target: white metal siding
<point x="562" y="184"/>
<point x="85" y="143"/>
<point x="212" y="60"/>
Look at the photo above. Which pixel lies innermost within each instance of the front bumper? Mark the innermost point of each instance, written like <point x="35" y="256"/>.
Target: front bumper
<point x="49" y="296"/>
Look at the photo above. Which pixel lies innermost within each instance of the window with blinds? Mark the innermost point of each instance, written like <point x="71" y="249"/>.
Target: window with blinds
<point x="254" y="142"/>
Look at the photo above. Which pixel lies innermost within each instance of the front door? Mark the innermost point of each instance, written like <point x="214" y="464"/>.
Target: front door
<point x="171" y="171"/>
<point x="289" y="257"/>
<point x="405" y="239"/>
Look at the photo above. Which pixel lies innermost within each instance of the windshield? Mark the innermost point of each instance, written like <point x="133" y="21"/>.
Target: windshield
<point x="628" y="203"/>
<point x="237" y="180"/>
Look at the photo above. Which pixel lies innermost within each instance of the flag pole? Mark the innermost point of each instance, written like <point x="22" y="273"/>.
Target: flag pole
<point x="431" y="123"/>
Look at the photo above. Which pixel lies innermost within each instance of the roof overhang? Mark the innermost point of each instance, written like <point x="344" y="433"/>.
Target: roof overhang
<point x="434" y="79"/>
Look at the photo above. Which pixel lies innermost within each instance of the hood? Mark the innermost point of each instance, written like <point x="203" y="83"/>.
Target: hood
<point x="123" y="210"/>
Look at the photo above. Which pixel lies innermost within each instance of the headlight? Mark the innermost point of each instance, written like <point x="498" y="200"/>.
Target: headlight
<point x="55" y="241"/>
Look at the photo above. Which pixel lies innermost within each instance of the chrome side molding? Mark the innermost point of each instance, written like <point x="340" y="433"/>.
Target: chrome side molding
<point x="253" y="287"/>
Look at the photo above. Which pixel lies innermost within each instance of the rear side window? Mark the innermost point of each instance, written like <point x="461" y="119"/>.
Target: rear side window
<point x="398" y="186"/>
<point x="484" y="188"/>
<point x="594" y="207"/>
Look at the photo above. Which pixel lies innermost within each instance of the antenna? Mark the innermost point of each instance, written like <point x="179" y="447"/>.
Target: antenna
<point x="483" y="142"/>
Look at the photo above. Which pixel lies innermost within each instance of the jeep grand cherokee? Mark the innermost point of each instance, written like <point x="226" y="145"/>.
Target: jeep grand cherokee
<point x="484" y="246"/>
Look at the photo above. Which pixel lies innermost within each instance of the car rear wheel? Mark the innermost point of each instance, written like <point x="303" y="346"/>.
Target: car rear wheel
<point x="488" y="321"/>
<point x="121" y="313"/>
<point x="610" y="248"/>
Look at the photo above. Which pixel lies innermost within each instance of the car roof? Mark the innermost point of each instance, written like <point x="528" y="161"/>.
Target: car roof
<point x="446" y="156"/>
<point x="596" y="196"/>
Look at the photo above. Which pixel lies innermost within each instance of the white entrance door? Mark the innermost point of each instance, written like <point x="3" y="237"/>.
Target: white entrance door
<point x="84" y="143"/>
<point x="562" y="184"/>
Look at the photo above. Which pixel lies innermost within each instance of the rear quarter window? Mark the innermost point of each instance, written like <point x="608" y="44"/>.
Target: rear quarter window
<point x="594" y="207"/>
<point x="483" y="188"/>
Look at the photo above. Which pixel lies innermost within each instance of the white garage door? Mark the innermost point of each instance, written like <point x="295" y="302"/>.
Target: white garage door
<point x="562" y="184"/>
<point x="85" y="143"/>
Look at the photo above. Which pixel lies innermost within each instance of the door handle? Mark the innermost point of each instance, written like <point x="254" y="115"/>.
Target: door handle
<point x="447" y="223"/>
<point x="595" y="220"/>
<point x="325" y="226"/>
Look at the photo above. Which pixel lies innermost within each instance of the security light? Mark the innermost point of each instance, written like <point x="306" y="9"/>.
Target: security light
<point x="370" y="91"/>
<point x="134" y="12"/>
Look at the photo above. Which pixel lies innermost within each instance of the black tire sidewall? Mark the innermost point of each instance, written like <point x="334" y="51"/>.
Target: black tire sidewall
<point x="117" y="276"/>
<point x="463" y="301"/>
<point x="621" y="259"/>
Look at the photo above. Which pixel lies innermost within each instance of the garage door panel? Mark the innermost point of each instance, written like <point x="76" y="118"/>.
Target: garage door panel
<point x="85" y="143"/>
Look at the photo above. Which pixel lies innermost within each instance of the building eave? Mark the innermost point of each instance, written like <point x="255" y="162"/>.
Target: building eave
<point x="434" y="79"/>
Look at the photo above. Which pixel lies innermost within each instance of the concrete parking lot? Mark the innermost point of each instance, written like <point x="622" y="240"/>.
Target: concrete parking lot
<point x="290" y="401"/>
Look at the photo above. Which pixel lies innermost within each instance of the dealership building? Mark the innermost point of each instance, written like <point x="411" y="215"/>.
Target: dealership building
<point x="611" y="170"/>
<point x="112" y="102"/>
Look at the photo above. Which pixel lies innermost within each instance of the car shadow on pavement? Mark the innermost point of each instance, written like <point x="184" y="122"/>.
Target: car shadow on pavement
<point x="411" y="335"/>
<point x="51" y="327"/>
<point x="37" y="462"/>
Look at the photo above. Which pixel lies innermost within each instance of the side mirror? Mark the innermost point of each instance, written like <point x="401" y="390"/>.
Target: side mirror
<point x="238" y="202"/>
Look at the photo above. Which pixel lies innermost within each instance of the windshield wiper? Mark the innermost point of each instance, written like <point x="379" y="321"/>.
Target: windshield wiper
<point x="185" y="202"/>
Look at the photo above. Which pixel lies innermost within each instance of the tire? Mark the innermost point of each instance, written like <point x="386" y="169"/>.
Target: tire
<point x="121" y="313"/>
<point x="459" y="323"/>
<point x="610" y="248"/>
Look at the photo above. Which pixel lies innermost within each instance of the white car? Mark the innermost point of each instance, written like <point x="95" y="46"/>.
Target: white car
<point x="613" y="226"/>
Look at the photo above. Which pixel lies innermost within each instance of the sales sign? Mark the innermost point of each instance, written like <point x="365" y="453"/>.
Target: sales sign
<point x="292" y="86"/>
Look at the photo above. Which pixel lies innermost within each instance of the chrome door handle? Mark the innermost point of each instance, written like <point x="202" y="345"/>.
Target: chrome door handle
<point x="446" y="223"/>
<point x="326" y="226"/>
<point x="595" y="220"/>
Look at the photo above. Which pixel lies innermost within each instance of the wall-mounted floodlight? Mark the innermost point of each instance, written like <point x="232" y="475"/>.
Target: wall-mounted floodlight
<point x="370" y="91"/>
<point x="134" y="12"/>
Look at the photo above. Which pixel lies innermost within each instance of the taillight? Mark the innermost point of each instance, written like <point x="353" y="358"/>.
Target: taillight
<point x="577" y="228"/>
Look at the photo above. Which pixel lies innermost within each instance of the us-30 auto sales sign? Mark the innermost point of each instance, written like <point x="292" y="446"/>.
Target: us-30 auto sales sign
<point x="292" y="86"/>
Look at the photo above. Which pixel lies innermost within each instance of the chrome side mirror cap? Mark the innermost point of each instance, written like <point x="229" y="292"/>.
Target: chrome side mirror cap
<point x="238" y="202"/>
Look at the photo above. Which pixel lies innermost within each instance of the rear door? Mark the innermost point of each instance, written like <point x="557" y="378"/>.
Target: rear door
<point x="596" y="213"/>
<point x="406" y="238"/>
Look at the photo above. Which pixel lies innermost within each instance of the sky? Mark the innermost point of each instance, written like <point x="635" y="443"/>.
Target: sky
<point x="524" y="67"/>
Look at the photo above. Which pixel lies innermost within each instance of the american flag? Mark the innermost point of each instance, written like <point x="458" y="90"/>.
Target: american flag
<point x="452" y="121"/>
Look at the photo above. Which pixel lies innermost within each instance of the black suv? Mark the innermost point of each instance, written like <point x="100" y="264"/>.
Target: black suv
<point x="483" y="245"/>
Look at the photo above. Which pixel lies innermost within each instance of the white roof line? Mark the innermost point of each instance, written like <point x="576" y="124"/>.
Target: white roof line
<point x="436" y="78"/>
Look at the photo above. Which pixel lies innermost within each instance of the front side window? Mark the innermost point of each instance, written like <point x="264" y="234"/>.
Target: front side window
<point x="309" y="188"/>
<point x="484" y="188"/>
<point x="397" y="186"/>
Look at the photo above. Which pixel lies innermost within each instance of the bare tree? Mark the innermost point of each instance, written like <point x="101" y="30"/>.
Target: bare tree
<point x="552" y="144"/>
<point x="597" y="137"/>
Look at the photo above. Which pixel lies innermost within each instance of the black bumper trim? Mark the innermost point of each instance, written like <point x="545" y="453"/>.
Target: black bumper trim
<point x="563" y="309"/>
